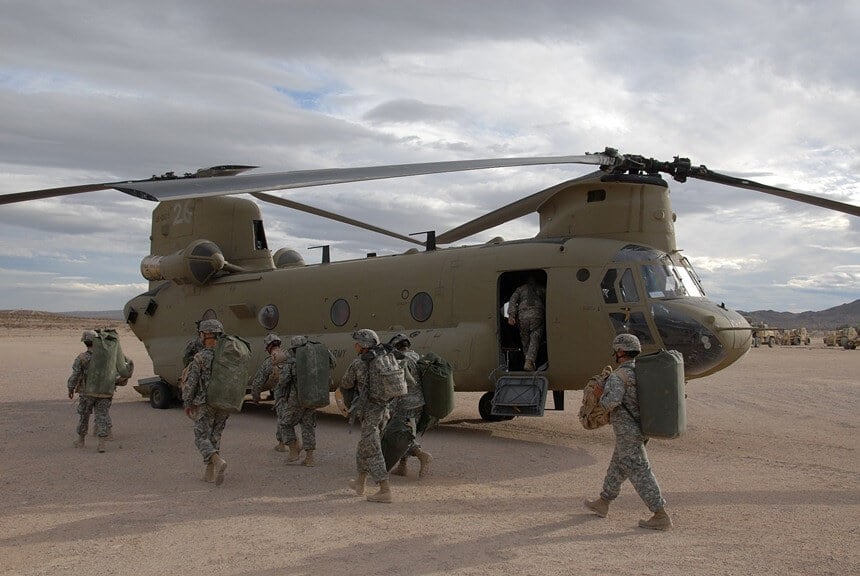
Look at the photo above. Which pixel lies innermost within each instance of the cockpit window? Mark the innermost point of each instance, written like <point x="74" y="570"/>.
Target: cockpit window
<point x="633" y="323"/>
<point x="636" y="253"/>
<point x="607" y="286"/>
<point x="629" y="293"/>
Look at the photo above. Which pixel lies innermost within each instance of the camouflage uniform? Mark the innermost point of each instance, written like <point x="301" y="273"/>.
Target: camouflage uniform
<point x="209" y="422"/>
<point x="262" y="379"/>
<point x="294" y="414"/>
<point x="191" y="348"/>
<point x="629" y="459"/>
<point x="527" y="306"/>
<point x="87" y="404"/>
<point x="368" y="457"/>
<point x="409" y="406"/>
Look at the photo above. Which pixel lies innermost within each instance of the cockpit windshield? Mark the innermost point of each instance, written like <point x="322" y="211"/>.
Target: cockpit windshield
<point x="668" y="279"/>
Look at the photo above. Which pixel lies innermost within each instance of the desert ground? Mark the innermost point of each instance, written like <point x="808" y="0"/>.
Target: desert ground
<point x="765" y="481"/>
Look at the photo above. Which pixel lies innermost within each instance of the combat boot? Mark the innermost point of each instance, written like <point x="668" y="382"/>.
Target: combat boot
<point x="400" y="469"/>
<point x="309" y="458"/>
<point x="659" y="521"/>
<point x="358" y="483"/>
<point x="599" y="506"/>
<point x="219" y="466"/>
<point x="529" y="366"/>
<point x="425" y="458"/>
<point x="295" y="450"/>
<point x="109" y="436"/>
<point x="384" y="494"/>
<point x="281" y="447"/>
<point x="102" y="446"/>
<point x="79" y="443"/>
<point x="209" y="474"/>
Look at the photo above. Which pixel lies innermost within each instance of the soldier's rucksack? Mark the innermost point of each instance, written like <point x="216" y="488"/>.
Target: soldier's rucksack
<point x="107" y="365"/>
<point x="278" y="358"/>
<point x="591" y="414"/>
<point x="386" y="378"/>
<point x="229" y="377"/>
<point x="313" y="375"/>
<point x="437" y="382"/>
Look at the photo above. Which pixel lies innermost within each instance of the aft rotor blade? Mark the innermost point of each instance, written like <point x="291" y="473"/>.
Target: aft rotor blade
<point x="703" y="173"/>
<point x="504" y="214"/>
<point x="203" y="187"/>
<point x="331" y="216"/>
<point x="51" y="193"/>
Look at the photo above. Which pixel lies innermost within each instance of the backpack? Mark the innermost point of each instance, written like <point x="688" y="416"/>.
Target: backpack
<point x="396" y="440"/>
<point x="591" y="414"/>
<point x="278" y="358"/>
<point x="229" y="378"/>
<point x="107" y="366"/>
<point x="386" y="380"/>
<point x="313" y="375"/>
<point x="437" y="382"/>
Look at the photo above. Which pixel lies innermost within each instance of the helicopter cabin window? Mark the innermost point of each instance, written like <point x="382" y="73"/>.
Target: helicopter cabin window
<point x="421" y="307"/>
<point x="340" y="312"/>
<point x="629" y="293"/>
<point x="210" y="314"/>
<point x="259" y="236"/>
<point x="634" y="324"/>
<point x="268" y="316"/>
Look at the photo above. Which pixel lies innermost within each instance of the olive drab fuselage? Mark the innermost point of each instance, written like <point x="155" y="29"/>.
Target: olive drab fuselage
<point x="606" y="252"/>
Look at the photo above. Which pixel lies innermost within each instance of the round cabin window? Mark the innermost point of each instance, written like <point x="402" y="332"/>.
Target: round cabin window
<point x="340" y="312"/>
<point x="421" y="306"/>
<point x="268" y="316"/>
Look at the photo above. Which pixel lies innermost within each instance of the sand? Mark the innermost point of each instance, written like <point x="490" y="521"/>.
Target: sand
<point x="765" y="481"/>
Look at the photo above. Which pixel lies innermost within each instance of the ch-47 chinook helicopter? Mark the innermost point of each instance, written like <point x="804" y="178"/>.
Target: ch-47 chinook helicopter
<point x="605" y="253"/>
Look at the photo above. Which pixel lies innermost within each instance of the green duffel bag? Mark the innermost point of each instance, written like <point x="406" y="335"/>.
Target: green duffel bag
<point x="313" y="375"/>
<point x="229" y="380"/>
<point x="437" y="383"/>
<point x="107" y="366"/>
<point x="396" y="440"/>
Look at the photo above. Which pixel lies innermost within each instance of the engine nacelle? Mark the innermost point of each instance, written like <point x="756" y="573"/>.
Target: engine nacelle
<point x="287" y="258"/>
<point x="195" y="264"/>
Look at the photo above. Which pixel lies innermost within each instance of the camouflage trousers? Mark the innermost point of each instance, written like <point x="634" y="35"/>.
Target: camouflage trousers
<point x="410" y="416"/>
<point x="368" y="454"/>
<point x="532" y="329"/>
<point x="630" y="462"/>
<point x="101" y="407"/>
<point x="281" y="414"/>
<point x="306" y="418"/>
<point x="208" y="426"/>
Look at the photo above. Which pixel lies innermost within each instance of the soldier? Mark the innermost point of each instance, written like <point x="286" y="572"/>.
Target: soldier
<point x="408" y="408"/>
<point x="527" y="307"/>
<point x="269" y="374"/>
<point x="368" y="457"/>
<point x="629" y="459"/>
<point x="295" y="413"/>
<point x="209" y="422"/>
<point x="90" y="403"/>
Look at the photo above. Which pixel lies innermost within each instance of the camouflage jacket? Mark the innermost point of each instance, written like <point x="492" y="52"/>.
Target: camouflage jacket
<point x="194" y="392"/>
<point x="622" y="401"/>
<point x="263" y="379"/>
<point x="79" y="371"/>
<point x="527" y="297"/>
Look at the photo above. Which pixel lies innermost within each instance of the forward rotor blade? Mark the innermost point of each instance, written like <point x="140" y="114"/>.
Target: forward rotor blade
<point x="331" y="216"/>
<point x="504" y="214"/>
<point x="202" y="187"/>
<point x="703" y="173"/>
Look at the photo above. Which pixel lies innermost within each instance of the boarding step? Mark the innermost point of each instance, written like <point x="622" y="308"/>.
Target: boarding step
<point x="520" y="395"/>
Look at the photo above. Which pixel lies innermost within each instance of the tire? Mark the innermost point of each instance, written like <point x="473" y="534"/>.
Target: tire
<point x="771" y="341"/>
<point x="160" y="396"/>
<point x="485" y="409"/>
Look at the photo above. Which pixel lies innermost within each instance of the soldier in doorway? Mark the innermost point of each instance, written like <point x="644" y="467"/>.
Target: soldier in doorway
<point x="527" y="310"/>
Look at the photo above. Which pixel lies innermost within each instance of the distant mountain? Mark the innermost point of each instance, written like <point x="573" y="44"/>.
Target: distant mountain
<point x="830" y="319"/>
<point x="109" y="314"/>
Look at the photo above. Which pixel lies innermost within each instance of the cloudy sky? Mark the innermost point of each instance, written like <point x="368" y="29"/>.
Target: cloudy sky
<point x="112" y="90"/>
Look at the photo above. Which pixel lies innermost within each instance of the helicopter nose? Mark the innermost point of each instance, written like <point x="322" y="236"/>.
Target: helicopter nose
<point x="709" y="336"/>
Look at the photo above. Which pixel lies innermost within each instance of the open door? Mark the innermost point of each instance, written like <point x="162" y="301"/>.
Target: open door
<point x="511" y="353"/>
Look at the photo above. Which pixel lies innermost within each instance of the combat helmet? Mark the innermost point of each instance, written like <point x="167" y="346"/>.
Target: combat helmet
<point x="211" y="326"/>
<point x="399" y="340"/>
<point x="88" y="336"/>
<point x="271" y="338"/>
<point x="366" y="337"/>
<point x="626" y="343"/>
<point x="297" y="341"/>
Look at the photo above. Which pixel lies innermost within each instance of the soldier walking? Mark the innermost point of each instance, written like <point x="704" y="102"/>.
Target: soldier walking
<point x="408" y="408"/>
<point x="296" y="414"/>
<point x="209" y="422"/>
<point x="629" y="459"/>
<point x="527" y="308"/>
<point x="269" y="375"/>
<point x="368" y="457"/>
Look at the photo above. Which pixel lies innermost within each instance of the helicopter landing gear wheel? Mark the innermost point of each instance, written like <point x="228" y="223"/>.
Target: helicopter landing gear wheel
<point x="160" y="396"/>
<point x="485" y="409"/>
